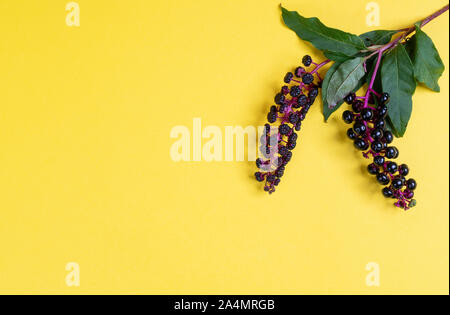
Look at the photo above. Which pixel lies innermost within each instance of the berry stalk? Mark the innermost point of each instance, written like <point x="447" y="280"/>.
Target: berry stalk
<point x="370" y="135"/>
<point x="292" y="104"/>
<point x="369" y="130"/>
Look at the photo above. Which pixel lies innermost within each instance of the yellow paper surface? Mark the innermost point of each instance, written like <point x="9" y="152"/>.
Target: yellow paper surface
<point x="86" y="174"/>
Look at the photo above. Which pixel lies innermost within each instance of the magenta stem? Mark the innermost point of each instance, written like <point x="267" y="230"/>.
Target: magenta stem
<point x="285" y="117"/>
<point x="433" y="16"/>
<point x="407" y="31"/>
<point x="372" y="80"/>
<point x="320" y="66"/>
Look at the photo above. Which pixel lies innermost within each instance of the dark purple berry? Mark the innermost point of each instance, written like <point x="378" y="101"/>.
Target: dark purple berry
<point x="367" y="114"/>
<point x="382" y="111"/>
<point x="307" y="60"/>
<point x="392" y="167"/>
<point x="259" y="177"/>
<point x="272" y="117"/>
<point x="349" y="99"/>
<point x="373" y="169"/>
<point x="408" y="194"/>
<point x="293" y="137"/>
<point x="391" y="152"/>
<point x="288" y="78"/>
<point x="348" y="116"/>
<point x="397" y="183"/>
<point x="295" y="91"/>
<point x="291" y="145"/>
<point x="384" y="99"/>
<point x="403" y="170"/>
<point x="283" y="150"/>
<point x="285" y="90"/>
<point x="388" y="136"/>
<point x="380" y="124"/>
<point x="293" y="118"/>
<point x="302" y="100"/>
<point x="287" y="157"/>
<point x="271" y="178"/>
<point x="411" y="184"/>
<point x="397" y="153"/>
<point x="280" y="172"/>
<point x="307" y="78"/>
<point x="359" y="128"/>
<point x="357" y="106"/>
<point x="361" y="144"/>
<point x="376" y="134"/>
<point x="376" y="146"/>
<point x="379" y="160"/>
<point x="280" y="99"/>
<point x="299" y="72"/>
<point x="387" y="192"/>
<point x="351" y="134"/>
<point x="284" y="129"/>
<point x="383" y="179"/>
<point x="313" y="93"/>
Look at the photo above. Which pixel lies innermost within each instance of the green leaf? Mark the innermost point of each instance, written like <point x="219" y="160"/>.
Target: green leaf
<point x="335" y="56"/>
<point x="390" y="127"/>
<point x="397" y="77"/>
<point x="428" y="65"/>
<point x="344" y="80"/>
<point x="327" y="110"/>
<point x="321" y="36"/>
<point x="379" y="37"/>
<point x="341" y="57"/>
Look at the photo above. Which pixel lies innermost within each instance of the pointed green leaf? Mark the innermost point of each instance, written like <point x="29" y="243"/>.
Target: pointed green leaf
<point x="328" y="110"/>
<point x="379" y="37"/>
<point x="428" y="65"/>
<point x="321" y="36"/>
<point x="344" y="80"/>
<point x="397" y="77"/>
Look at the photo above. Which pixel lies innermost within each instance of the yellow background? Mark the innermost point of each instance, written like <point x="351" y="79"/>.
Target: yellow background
<point x="86" y="176"/>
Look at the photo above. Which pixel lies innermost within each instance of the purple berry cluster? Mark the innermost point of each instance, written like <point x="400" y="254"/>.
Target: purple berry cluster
<point x="369" y="134"/>
<point x="292" y="104"/>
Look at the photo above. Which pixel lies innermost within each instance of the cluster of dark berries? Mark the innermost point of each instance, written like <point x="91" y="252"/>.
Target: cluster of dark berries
<point x="285" y="119"/>
<point x="369" y="134"/>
